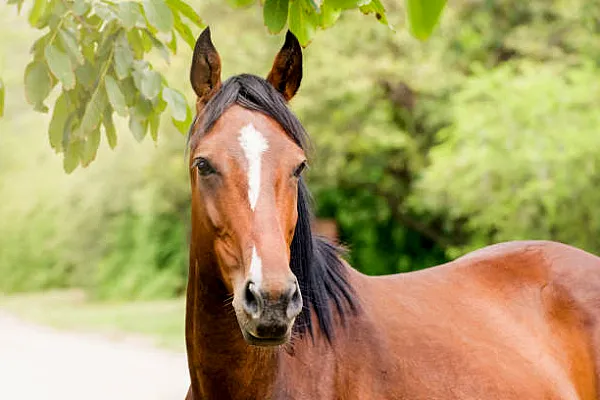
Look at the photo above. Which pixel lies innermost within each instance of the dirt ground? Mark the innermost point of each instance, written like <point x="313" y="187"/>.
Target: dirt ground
<point x="40" y="363"/>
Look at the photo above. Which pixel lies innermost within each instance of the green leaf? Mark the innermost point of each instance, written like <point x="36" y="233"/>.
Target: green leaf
<point x="80" y="7"/>
<point x="56" y="8"/>
<point x="48" y="16"/>
<point x="60" y="65"/>
<point x="105" y="12"/>
<point x="275" y="14"/>
<point x="183" y="126"/>
<point x="148" y="81"/>
<point x="159" y="14"/>
<point x="59" y="119"/>
<point x="146" y="41"/>
<point x="344" y="4"/>
<point x="154" y="123"/>
<point x="86" y="75"/>
<point x="129" y="90"/>
<point x="130" y="13"/>
<point x="184" y="31"/>
<point x="39" y="46"/>
<point x="157" y="44"/>
<point x="37" y="82"/>
<point x="108" y="40"/>
<point x="176" y="102"/>
<point x="143" y="109"/>
<point x="69" y="43"/>
<point x="88" y="47"/>
<point x="123" y="57"/>
<point x="134" y="38"/>
<point x="172" y="44"/>
<point x="423" y="15"/>
<point x="377" y="8"/>
<point x="72" y="155"/>
<point x="94" y="21"/>
<point x="94" y="110"/>
<point x="37" y="10"/>
<point x="115" y="96"/>
<point x="303" y="21"/>
<point x="329" y="15"/>
<point x="90" y="147"/>
<point x="138" y="127"/>
<point x="186" y="10"/>
<point x="109" y="128"/>
<point x="158" y="105"/>
<point x="71" y="124"/>
<point x="2" y="94"/>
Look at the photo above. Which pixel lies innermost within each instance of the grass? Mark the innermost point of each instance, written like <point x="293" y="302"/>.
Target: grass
<point x="160" y="321"/>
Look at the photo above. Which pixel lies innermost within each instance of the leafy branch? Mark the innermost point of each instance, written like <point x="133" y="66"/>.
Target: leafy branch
<point x="96" y="51"/>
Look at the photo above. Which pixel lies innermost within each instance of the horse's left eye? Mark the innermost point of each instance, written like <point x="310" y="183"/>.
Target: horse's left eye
<point x="299" y="169"/>
<point x="204" y="167"/>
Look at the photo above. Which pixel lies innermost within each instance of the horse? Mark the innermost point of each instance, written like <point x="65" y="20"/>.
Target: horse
<point x="274" y="312"/>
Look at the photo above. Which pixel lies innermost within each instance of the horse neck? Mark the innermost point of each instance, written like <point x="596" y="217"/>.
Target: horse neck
<point x="219" y="359"/>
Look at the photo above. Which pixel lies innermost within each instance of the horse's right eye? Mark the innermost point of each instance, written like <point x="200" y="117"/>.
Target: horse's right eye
<point x="204" y="167"/>
<point x="299" y="169"/>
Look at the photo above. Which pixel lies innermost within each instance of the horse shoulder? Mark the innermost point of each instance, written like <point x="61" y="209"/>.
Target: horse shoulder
<point x="573" y="298"/>
<point x="538" y="301"/>
<point x="563" y="286"/>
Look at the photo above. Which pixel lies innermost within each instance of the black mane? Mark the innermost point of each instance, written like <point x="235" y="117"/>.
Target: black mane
<point x="315" y="262"/>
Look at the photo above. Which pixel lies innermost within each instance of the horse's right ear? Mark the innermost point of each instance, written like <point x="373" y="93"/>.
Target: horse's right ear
<point x="205" y="74"/>
<point x="286" y="73"/>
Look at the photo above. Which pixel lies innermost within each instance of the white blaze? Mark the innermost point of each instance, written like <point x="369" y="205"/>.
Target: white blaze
<point x="255" y="268"/>
<point x="254" y="144"/>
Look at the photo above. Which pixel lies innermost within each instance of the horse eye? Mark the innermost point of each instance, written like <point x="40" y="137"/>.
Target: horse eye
<point x="299" y="169"/>
<point x="204" y="167"/>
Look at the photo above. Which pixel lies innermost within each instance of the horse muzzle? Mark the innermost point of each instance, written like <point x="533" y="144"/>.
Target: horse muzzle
<point x="266" y="318"/>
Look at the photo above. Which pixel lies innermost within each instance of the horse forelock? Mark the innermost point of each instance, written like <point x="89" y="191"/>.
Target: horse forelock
<point x="316" y="263"/>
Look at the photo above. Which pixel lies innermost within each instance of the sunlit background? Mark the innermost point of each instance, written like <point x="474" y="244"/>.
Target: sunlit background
<point x="489" y="131"/>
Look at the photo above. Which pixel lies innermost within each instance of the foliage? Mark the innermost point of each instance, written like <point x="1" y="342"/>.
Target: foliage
<point x="121" y="237"/>
<point x="392" y="178"/>
<point x="97" y="52"/>
<point x="423" y="16"/>
<point x="422" y="150"/>
<point x="521" y="155"/>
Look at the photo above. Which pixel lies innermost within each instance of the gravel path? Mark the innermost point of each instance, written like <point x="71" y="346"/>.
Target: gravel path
<point x="40" y="363"/>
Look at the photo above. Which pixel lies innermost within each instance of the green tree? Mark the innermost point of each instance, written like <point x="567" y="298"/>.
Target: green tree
<point x="405" y="194"/>
<point x="422" y="150"/>
<point x="101" y="54"/>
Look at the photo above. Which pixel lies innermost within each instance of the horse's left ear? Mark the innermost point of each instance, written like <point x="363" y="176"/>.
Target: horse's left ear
<point x="205" y="74"/>
<point x="286" y="72"/>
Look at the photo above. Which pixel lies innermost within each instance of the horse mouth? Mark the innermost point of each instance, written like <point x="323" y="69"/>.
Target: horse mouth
<point x="265" y="341"/>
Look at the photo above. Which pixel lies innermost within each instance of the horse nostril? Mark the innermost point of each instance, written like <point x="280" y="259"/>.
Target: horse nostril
<point x="296" y="296"/>
<point x="251" y="301"/>
<point x="295" y="305"/>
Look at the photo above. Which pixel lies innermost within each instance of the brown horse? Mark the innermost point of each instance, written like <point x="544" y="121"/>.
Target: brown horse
<point x="273" y="312"/>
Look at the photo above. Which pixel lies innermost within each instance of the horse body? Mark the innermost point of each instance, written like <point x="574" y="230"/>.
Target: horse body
<point x="494" y="324"/>
<point x="273" y="312"/>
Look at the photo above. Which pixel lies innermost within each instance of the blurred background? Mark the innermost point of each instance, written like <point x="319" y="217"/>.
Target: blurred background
<point x="423" y="151"/>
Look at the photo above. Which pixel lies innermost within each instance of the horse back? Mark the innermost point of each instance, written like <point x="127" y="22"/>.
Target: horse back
<point x="573" y="291"/>
<point x="563" y="283"/>
<point x="511" y="321"/>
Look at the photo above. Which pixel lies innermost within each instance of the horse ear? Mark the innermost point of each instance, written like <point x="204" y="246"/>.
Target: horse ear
<point x="286" y="72"/>
<point x="205" y="74"/>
